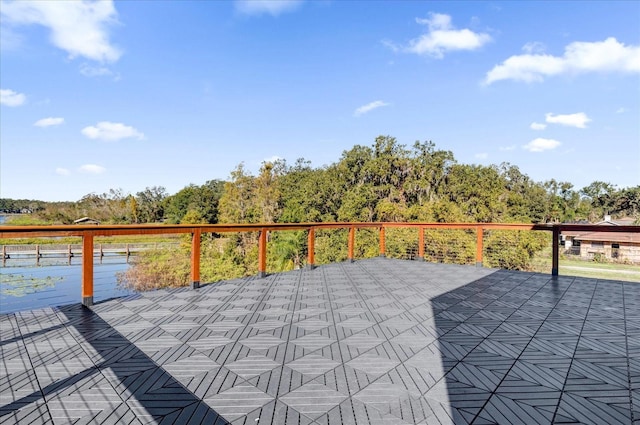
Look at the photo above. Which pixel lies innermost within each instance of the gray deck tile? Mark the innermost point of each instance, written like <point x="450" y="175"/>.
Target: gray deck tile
<point x="238" y="401"/>
<point x="313" y="365"/>
<point x="251" y="366"/>
<point x="313" y="400"/>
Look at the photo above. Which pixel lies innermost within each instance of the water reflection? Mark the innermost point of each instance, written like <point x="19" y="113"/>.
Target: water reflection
<point x="24" y="286"/>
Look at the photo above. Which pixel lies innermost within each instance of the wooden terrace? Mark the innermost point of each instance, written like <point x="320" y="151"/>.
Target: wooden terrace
<point x="372" y="341"/>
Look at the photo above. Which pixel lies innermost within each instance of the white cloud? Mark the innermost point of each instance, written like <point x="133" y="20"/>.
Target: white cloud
<point x="537" y="126"/>
<point x="540" y="145"/>
<point x="91" y="169"/>
<point x="111" y="131"/>
<point x="11" y="98"/>
<point x="534" y="47"/>
<point x="272" y="7"/>
<point x="369" y="107"/>
<point x="48" y="122"/>
<point x="621" y="111"/>
<point x="62" y="171"/>
<point x="443" y="37"/>
<point x="482" y="155"/>
<point x="78" y="27"/>
<point x="579" y="57"/>
<point x="578" y="120"/>
<point x="98" y="71"/>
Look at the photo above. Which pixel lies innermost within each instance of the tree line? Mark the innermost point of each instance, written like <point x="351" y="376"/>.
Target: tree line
<point x="386" y="181"/>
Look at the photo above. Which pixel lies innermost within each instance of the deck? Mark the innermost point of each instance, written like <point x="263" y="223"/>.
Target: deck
<point x="377" y="341"/>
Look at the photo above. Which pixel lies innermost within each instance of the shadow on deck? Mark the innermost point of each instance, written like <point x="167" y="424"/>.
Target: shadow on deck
<point x="377" y="341"/>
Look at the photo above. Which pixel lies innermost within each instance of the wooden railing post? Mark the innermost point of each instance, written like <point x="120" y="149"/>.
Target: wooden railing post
<point x="479" y="240"/>
<point x="262" y="254"/>
<point x="350" y="243"/>
<point x="311" y="247"/>
<point x="382" y="243"/>
<point x="87" y="269"/>
<point x="421" y="243"/>
<point x="195" y="258"/>
<point x="555" y="260"/>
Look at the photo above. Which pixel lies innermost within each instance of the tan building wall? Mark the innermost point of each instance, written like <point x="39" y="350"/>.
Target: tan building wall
<point x="627" y="252"/>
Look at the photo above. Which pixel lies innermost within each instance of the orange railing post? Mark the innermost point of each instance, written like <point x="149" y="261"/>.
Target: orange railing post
<point x="87" y="269"/>
<point x="195" y="259"/>
<point x="555" y="256"/>
<point x="421" y="243"/>
<point x="311" y="247"/>
<point x="262" y="253"/>
<point x="479" y="238"/>
<point x="351" y="242"/>
<point x="382" y="243"/>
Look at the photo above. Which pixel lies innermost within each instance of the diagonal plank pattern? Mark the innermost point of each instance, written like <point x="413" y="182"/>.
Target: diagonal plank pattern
<point x="378" y="341"/>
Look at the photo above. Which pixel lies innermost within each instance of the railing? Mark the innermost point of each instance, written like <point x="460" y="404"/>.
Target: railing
<point x="88" y="232"/>
<point x="69" y="251"/>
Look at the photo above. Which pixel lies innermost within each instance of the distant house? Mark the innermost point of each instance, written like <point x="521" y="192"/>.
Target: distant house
<point x="86" y="220"/>
<point x="619" y="246"/>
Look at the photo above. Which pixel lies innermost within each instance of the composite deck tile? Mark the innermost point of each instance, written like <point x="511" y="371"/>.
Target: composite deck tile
<point x="355" y="324"/>
<point x="155" y="314"/>
<point x="179" y="326"/>
<point x="313" y="341"/>
<point x="313" y="399"/>
<point x="238" y="401"/>
<point x="274" y="312"/>
<point x="189" y="367"/>
<point x="243" y="302"/>
<point x="261" y="342"/>
<point x="313" y="365"/>
<point x="236" y="312"/>
<point x="382" y="395"/>
<point x="251" y="366"/>
<point x="372" y="364"/>
<point x="268" y="325"/>
<point x="209" y="342"/>
<point x="313" y="324"/>
<point x="350" y="311"/>
<point x="362" y="341"/>
<point x="398" y="324"/>
<point x="388" y="311"/>
<point x="310" y="311"/>
<point x="278" y="302"/>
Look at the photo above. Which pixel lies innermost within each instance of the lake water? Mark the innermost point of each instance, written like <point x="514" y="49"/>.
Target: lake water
<point x="25" y="287"/>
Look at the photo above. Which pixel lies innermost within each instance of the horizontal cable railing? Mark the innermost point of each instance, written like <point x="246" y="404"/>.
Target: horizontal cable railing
<point x="510" y="246"/>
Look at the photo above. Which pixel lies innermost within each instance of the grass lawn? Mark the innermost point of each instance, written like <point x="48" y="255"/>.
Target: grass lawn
<point x="571" y="267"/>
<point x="611" y="271"/>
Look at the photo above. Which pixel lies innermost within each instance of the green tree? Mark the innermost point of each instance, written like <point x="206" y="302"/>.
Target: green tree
<point x="150" y="204"/>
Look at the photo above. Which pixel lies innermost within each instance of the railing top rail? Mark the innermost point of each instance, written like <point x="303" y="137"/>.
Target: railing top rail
<point x="149" y="229"/>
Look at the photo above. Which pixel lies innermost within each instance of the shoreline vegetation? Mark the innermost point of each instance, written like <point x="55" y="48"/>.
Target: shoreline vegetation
<point x="386" y="181"/>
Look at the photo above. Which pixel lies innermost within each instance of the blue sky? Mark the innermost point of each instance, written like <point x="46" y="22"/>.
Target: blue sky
<point x="131" y="94"/>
